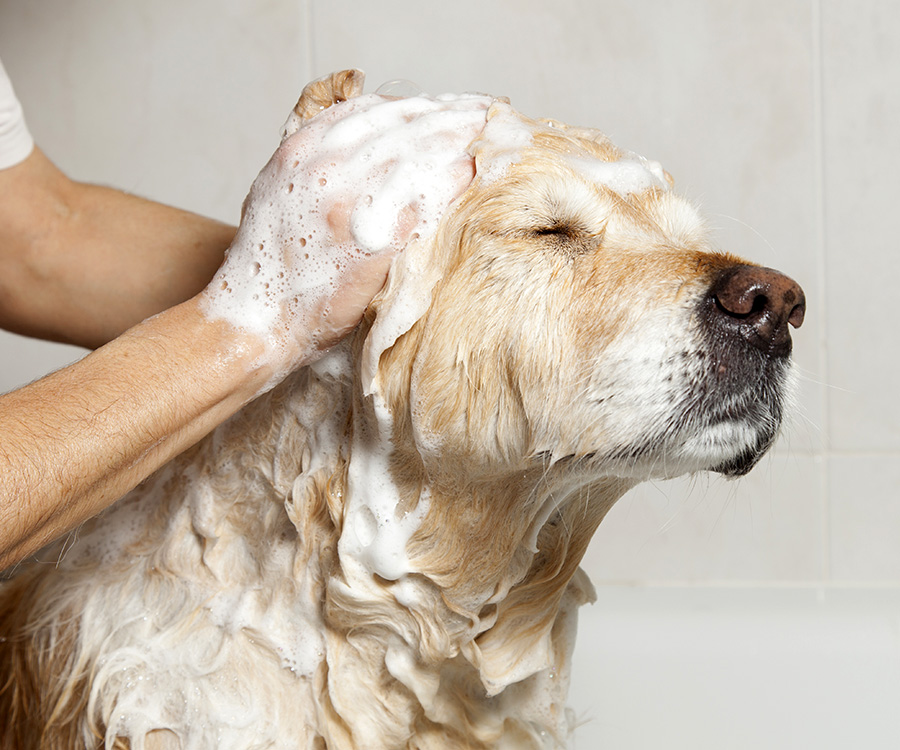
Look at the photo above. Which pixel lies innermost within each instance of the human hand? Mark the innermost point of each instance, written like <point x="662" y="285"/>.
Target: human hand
<point x="340" y="197"/>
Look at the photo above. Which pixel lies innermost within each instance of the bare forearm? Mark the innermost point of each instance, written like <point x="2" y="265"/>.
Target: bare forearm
<point x="77" y="440"/>
<point x="83" y="263"/>
<point x="296" y="279"/>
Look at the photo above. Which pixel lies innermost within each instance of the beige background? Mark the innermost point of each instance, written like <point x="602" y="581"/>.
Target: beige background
<point x="761" y="613"/>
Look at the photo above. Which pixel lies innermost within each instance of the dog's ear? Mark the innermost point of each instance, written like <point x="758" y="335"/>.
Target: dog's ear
<point x="321" y="94"/>
<point x="405" y="299"/>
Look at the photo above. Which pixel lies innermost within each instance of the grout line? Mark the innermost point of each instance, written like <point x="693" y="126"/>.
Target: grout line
<point x="309" y="22"/>
<point x="840" y="453"/>
<point x="821" y="586"/>
<point x="818" y="92"/>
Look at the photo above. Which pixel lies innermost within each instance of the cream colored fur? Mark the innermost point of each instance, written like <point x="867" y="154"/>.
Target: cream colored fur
<point x="522" y="370"/>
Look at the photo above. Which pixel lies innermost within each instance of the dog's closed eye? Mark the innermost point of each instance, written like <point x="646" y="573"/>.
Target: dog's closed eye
<point x="562" y="231"/>
<point x="568" y="237"/>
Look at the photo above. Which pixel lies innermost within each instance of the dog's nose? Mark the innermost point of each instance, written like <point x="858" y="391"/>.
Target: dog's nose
<point x="758" y="304"/>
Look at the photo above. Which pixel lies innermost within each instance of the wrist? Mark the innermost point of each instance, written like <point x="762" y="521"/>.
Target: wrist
<point x="232" y="361"/>
<point x="270" y="335"/>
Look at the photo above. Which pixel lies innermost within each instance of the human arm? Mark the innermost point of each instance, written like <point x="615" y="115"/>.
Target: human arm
<point x="297" y="277"/>
<point x="82" y="263"/>
<point x="76" y="440"/>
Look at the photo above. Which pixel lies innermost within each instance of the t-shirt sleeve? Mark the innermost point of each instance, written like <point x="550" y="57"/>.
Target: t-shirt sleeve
<point x="15" y="141"/>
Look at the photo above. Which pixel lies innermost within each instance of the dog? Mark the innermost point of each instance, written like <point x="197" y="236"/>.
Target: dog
<point x="383" y="551"/>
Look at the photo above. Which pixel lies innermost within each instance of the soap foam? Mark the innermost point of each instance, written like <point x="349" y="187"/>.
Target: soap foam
<point x="629" y="175"/>
<point x="502" y="142"/>
<point x="335" y="193"/>
<point x="406" y="299"/>
<point x="507" y="135"/>
<point x="374" y="536"/>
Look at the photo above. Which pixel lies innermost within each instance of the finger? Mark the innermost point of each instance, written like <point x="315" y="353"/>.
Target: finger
<point x="357" y="284"/>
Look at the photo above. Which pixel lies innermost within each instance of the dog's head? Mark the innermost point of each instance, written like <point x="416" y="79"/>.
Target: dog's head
<point x="571" y="309"/>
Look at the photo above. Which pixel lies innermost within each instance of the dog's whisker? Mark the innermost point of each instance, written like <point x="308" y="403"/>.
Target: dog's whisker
<point x="753" y="229"/>
<point x="808" y="377"/>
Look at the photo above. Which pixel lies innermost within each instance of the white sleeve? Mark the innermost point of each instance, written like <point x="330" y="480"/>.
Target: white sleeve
<point x="15" y="140"/>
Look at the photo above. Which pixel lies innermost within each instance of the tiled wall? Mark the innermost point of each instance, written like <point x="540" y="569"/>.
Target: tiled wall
<point x="778" y="117"/>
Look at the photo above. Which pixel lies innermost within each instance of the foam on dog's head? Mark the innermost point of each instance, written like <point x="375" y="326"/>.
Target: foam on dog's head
<point x="501" y="143"/>
<point x="374" y="159"/>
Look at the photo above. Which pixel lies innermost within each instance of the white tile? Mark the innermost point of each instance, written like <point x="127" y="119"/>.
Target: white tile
<point x="180" y="102"/>
<point x="23" y="360"/>
<point x="766" y="527"/>
<point x="864" y="517"/>
<point x="740" y="669"/>
<point x="862" y="108"/>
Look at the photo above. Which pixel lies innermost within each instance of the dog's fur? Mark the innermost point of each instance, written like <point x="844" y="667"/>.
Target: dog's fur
<point x="536" y="358"/>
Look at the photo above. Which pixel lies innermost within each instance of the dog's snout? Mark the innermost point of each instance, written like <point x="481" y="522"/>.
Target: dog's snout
<point x="759" y="304"/>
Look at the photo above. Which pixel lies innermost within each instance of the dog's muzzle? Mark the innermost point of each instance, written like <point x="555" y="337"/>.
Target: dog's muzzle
<point x="746" y="317"/>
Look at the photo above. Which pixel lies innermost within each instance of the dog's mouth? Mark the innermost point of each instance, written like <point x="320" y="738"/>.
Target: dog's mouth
<point x="726" y="412"/>
<point x="738" y="405"/>
<point x="726" y="417"/>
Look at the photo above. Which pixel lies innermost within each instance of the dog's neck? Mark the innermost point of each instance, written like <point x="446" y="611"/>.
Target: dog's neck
<point x="390" y="597"/>
<point x="448" y="582"/>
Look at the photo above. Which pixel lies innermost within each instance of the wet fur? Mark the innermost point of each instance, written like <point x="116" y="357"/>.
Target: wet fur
<point x="548" y="373"/>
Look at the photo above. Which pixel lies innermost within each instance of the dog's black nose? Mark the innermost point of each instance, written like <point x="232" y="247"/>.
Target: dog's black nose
<point x="758" y="304"/>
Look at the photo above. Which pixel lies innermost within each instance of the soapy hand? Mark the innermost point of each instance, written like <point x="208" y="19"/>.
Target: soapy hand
<point x="341" y="196"/>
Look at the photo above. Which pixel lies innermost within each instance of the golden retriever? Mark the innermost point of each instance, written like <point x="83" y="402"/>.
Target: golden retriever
<point x="383" y="551"/>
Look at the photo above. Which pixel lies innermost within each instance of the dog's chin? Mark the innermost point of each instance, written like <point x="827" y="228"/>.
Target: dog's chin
<point x="740" y="429"/>
<point x="731" y="447"/>
<point x="744" y="461"/>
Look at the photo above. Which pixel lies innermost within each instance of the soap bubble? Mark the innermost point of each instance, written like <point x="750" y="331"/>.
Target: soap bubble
<point x="400" y="89"/>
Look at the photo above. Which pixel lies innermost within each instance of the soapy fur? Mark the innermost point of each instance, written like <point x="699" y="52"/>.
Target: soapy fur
<point x="383" y="551"/>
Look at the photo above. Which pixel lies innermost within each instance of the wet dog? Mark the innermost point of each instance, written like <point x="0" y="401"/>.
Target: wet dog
<point x="383" y="551"/>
